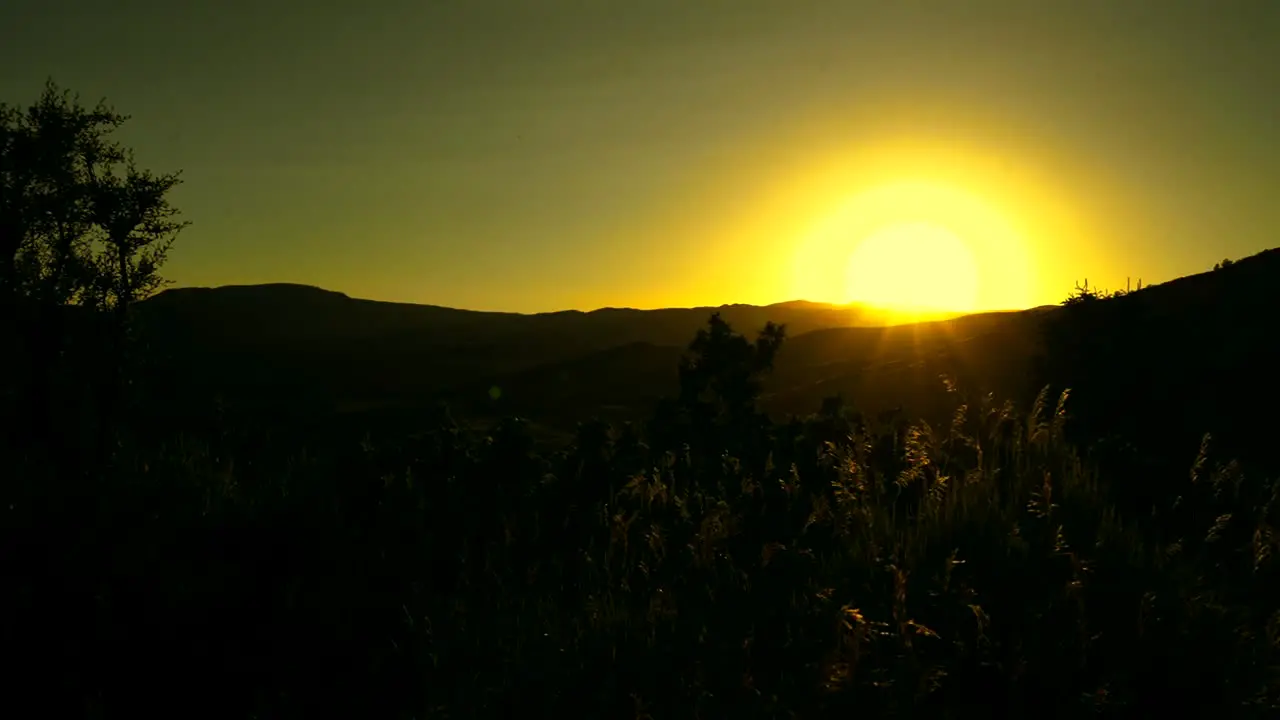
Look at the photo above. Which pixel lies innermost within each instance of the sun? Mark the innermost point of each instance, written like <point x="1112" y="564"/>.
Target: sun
<point x="913" y="266"/>
<point x="915" y="248"/>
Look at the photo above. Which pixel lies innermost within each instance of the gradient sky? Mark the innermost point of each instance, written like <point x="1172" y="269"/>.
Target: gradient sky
<point x="546" y="154"/>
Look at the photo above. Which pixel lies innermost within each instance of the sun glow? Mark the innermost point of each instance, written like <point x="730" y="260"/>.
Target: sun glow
<point x="914" y="246"/>
<point x="917" y="266"/>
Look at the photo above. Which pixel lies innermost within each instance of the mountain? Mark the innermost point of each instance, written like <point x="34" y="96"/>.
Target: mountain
<point x="875" y="368"/>
<point x="284" y="313"/>
<point x="1150" y="372"/>
<point x="281" y="343"/>
<point x="1171" y="360"/>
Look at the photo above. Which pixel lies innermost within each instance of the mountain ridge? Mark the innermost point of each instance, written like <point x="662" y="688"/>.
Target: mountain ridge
<point x="285" y="290"/>
<point x="321" y="350"/>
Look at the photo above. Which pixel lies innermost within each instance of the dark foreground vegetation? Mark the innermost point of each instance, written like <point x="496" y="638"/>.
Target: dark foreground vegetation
<point x="1006" y="558"/>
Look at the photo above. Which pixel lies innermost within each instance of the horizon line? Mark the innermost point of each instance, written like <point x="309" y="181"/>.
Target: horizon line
<point x="850" y="306"/>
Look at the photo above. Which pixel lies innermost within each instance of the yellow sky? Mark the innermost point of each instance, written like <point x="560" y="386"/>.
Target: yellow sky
<point x="535" y="156"/>
<point x="795" y="235"/>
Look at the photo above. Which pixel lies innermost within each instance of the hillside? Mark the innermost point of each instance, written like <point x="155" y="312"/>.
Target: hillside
<point x="283" y="313"/>
<point x="1187" y="351"/>
<point x="281" y="345"/>
<point x="1162" y="366"/>
<point x="1182" y="352"/>
<point x="880" y="368"/>
<point x="728" y="565"/>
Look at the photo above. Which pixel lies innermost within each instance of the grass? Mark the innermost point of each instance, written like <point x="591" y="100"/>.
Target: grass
<point x="698" y="566"/>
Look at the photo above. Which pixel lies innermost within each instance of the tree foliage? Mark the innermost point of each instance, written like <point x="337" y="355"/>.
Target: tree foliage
<point x="724" y="369"/>
<point x="83" y="234"/>
<point x="80" y="222"/>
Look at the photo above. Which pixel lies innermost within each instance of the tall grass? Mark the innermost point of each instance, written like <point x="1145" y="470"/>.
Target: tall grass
<point x="827" y="567"/>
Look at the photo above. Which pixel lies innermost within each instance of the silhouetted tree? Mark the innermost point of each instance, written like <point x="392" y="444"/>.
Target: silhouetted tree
<point x="723" y="370"/>
<point x="721" y="378"/>
<point x="80" y="227"/>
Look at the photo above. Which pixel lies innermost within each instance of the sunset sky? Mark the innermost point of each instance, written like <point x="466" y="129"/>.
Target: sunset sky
<point x="535" y="155"/>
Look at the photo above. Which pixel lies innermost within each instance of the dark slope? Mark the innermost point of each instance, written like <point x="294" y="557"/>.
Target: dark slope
<point x="280" y="313"/>
<point x="876" y="369"/>
<point x="1171" y="361"/>
<point x="1160" y="367"/>
<point x="271" y="346"/>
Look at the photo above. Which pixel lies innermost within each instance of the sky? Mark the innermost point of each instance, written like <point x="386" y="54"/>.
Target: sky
<point x="535" y="155"/>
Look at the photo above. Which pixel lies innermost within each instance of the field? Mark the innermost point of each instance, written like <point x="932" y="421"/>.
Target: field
<point x="1066" y="511"/>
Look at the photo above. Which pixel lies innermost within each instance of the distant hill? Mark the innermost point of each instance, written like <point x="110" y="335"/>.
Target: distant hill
<point x="266" y="344"/>
<point x="280" y="313"/>
<point x="1158" y="367"/>
<point x="1182" y="357"/>
<point x="876" y="367"/>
